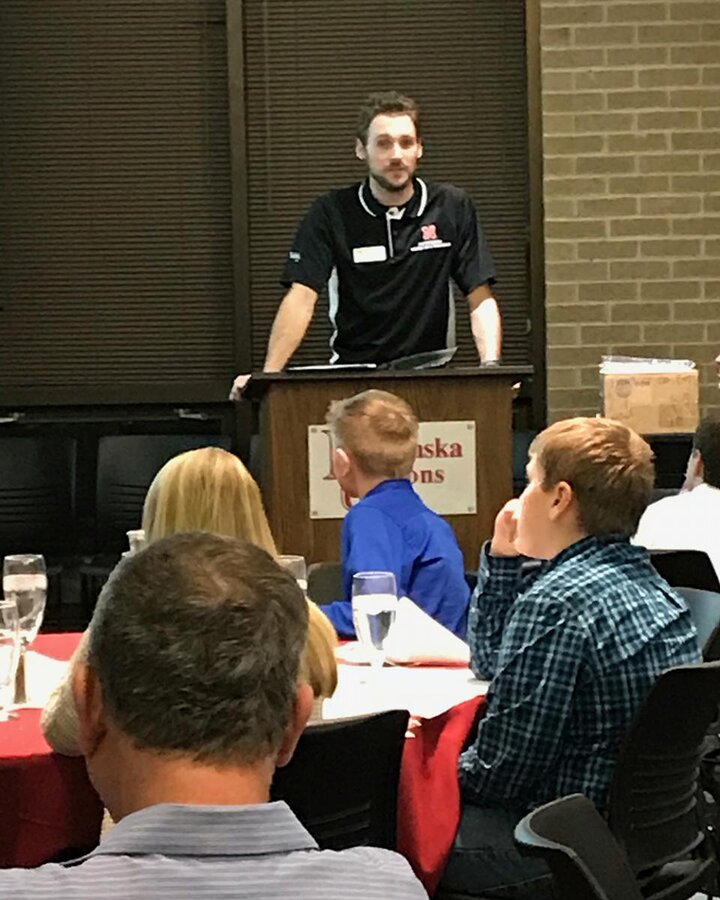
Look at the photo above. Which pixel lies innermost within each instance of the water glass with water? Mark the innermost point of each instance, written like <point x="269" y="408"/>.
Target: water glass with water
<point x="374" y="607"/>
<point x="136" y="539"/>
<point x="9" y="654"/>
<point x="296" y="567"/>
<point x="25" y="582"/>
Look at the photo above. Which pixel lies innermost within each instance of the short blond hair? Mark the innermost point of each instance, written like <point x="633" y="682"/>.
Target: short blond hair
<point x="379" y="430"/>
<point x="608" y="465"/>
<point x="207" y="489"/>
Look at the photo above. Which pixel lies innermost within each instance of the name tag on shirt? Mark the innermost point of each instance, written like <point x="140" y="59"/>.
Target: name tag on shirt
<point x="369" y="254"/>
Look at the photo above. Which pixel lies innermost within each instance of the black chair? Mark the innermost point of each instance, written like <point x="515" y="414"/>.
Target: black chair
<point x="342" y="781"/>
<point x="37" y="502"/>
<point x="655" y="810"/>
<point x="37" y="491"/>
<point x="521" y="441"/>
<point x="585" y="859"/>
<point x="704" y="608"/>
<point x="686" y="568"/>
<point x="126" y="466"/>
<point x="325" y="582"/>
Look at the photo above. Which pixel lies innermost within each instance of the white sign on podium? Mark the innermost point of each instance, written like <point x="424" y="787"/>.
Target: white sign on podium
<point x="443" y="474"/>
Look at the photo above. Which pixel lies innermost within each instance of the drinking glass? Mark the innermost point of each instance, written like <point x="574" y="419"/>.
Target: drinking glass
<point x="25" y="582"/>
<point x="9" y="654"/>
<point x="374" y="606"/>
<point x="136" y="539"/>
<point x="296" y="567"/>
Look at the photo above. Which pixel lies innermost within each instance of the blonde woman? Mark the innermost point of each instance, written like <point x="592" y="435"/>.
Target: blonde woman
<point x="207" y="489"/>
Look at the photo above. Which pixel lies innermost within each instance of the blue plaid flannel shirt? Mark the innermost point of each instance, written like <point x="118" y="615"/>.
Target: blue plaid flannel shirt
<point x="572" y="649"/>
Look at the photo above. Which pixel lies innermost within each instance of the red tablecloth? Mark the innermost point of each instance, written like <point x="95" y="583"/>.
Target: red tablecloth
<point x="429" y="795"/>
<point x="47" y="803"/>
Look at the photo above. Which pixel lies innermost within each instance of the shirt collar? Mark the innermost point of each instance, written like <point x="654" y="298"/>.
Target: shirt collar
<point x="595" y="542"/>
<point x="171" y="829"/>
<point x="415" y="206"/>
<point x="392" y="484"/>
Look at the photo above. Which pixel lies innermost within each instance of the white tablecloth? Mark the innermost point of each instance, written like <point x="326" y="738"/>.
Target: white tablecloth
<point x="425" y="691"/>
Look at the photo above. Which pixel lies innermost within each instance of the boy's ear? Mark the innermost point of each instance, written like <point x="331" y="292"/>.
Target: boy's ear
<point x="341" y="463"/>
<point x="359" y="149"/>
<point x="563" y="498"/>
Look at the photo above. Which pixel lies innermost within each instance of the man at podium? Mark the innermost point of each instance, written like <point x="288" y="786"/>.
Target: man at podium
<point x="387" y="249"/>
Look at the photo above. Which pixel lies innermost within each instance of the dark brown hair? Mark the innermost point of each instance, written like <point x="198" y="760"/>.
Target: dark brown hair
<point x="386" y="103"/>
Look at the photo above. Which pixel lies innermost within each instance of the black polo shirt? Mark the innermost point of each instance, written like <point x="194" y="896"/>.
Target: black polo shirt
<point x="388" y="269"/>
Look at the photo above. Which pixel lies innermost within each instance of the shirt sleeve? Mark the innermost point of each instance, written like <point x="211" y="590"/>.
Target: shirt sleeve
<point x="528" y="704"/>
<point x="472" y="261"/>
<point x="310" y="259"/>
<point x="492" y="599"/>
<point x="370" y="543"/>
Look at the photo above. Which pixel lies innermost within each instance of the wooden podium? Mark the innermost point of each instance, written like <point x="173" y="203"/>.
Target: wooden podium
<point x="292" y="402"/>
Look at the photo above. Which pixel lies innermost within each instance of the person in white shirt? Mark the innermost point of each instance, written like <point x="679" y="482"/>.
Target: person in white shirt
<point x="691" y="519"/>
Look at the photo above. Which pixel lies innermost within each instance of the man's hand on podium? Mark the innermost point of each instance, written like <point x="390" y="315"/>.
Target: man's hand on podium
<point x="238" y="387"/>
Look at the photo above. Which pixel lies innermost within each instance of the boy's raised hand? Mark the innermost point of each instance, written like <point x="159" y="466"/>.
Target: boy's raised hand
<point x="503" y="539"/>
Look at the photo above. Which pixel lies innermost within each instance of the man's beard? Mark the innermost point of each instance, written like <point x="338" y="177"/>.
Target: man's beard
<point x="390" y="186"/>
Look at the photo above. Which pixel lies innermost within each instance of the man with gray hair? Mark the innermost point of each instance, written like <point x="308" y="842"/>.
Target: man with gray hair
<point x="188" y="700"/>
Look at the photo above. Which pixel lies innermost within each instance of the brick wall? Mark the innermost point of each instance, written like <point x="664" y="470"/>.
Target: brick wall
<point x="631" y="130"/>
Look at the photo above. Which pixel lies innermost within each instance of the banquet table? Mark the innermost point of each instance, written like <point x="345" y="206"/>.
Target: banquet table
<point x="48" y="806"/>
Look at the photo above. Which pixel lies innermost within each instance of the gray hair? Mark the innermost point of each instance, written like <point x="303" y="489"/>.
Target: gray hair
<point x="196" y="642"/>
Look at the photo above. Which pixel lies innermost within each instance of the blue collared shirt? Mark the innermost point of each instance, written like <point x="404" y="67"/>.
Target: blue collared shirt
<point x="391" y="530"/>
<point x="572" y="649"/>
<point x="213" y="853"/>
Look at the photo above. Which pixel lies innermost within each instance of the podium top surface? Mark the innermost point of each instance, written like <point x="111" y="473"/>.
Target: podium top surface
<point x="260" y="381"/>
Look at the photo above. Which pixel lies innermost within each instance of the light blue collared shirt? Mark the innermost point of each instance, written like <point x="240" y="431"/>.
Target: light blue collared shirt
<point x="217" y="852"/>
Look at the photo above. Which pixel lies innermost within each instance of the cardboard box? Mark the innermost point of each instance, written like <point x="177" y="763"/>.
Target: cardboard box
<point x="653" y="403"/>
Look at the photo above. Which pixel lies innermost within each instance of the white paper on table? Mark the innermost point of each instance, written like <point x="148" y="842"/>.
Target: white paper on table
<point x="424" y="692"/>
<point x="415" y="638"/>
<point x="42" y="675"/>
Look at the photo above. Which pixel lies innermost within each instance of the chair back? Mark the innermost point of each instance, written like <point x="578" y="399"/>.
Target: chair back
<point x="585" y="859"/>
<point x="521" y="441"/>
<point x="704" y="608"/>
<point x="653" y="809"/>
<point x="37" y="494"/>
<point x="342" y="781"/>
<point x="325" y="582"/>
<point x="686" y="568"/>
<point x="126" y="466"/>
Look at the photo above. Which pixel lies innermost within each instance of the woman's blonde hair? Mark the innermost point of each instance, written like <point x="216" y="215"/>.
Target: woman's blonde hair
<point x="210" y="490"/>
<point x="207" y="489"/>
<point x="319" y="663"/>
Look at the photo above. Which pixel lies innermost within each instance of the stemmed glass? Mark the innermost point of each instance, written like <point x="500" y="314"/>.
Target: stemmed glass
<point x="296" y="567"/>
<point x="9" y="654"/>
<point x="25" y="582"/>
<point x="374" y="606"/>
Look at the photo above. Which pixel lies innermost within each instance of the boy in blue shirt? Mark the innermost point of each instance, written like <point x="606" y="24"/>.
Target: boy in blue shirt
<point x="375" y="435"/>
